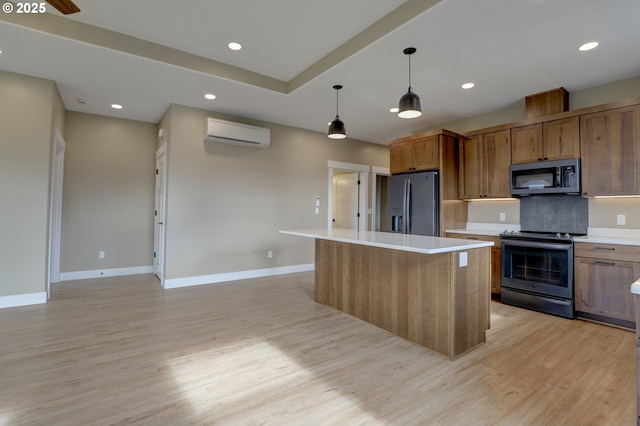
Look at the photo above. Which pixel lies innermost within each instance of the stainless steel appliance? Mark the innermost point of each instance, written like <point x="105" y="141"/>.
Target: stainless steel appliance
<point x="537" y="262"/>
<point x="413" y="204"/>
<point x="537" y="272"/>
<point x="546" y="177"/>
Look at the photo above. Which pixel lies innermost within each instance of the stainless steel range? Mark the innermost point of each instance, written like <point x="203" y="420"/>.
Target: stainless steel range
<point x="537" y="272"/>
<point x="537" y="262"/>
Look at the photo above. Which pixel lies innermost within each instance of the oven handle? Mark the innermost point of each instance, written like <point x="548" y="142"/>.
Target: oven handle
<point x="537" y="244"/>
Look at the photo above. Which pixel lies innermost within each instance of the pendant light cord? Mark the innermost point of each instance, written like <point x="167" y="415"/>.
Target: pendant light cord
<point x="337" y="94"/>
<point x="409" y="73"/>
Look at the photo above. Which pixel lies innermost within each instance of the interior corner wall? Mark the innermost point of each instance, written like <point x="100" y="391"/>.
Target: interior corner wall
<point x="26" y="108"/>
<point x="225" y="203"/>
<point x="108" y="193"/>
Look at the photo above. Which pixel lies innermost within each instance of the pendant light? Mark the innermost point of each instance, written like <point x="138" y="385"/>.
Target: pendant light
<point x="336" y="127"/>
<point x="409" y="106"/>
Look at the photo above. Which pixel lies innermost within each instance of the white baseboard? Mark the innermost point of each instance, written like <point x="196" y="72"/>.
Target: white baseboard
<point x="235" y="276"/>
<point x="23" y="300"/>
<point x="101" y="273"/>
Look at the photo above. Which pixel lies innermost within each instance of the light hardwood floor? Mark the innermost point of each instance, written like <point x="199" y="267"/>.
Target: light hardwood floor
<point x="125" y="351"/>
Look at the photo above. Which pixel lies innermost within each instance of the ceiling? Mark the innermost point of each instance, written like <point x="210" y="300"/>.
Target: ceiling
<point x="147" y="54"/>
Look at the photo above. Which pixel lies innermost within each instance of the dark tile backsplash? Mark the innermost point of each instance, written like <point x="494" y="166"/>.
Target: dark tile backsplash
<point x="554" y="213"/>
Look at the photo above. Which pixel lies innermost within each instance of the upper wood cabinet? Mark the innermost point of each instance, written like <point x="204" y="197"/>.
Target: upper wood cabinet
<point x="610" y="147"/>
<point x="414" y="154"/>
<point x="551" y="140"/>
<point x="484" y="169"/>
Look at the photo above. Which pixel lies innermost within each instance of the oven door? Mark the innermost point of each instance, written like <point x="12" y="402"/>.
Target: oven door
<point x="538" y="267"/>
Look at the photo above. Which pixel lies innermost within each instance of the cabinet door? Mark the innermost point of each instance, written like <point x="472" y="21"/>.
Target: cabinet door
<point x="496" y="270"/>
<point x="401" y="157"/>
<point x="561" y="139"/>
<point x="526" y="144"/>
<point x="426" y="153"/>
<point x="471" y="169"/>
<point x="602" y="287"/>
<point x="609" y="148"/>
<point x="497" y="159"/>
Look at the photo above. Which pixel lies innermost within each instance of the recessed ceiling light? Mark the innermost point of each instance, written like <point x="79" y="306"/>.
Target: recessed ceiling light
<point x="116" y="106"/>
<point x="234" y="45"/>
<point x="394" y="110"/>
<point x="588" y="46"/>
<point x="210" y="96"/>
<point x="468" y="85"/>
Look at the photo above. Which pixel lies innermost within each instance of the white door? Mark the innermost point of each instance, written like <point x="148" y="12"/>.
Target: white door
<point x="158" y="234"/>
<point x="345" y="200"/>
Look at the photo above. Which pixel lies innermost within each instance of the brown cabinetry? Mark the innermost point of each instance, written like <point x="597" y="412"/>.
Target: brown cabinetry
<point x="485" y="161"/>
<point x="603" y="274"/>
<point x="415" y="154"/>
<point x="551" y="140"/>
<point x="610" y="152"/>
<point x="495" y="255"/>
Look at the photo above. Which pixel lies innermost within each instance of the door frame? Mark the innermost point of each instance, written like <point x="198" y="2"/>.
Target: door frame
<point x="363" y="205"/>
<point x="159" y="229"/>
<point x="375" y="172"/>
<point x="55" y="209"/>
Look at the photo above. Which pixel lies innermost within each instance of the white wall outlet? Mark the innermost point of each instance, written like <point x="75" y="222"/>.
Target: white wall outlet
<point x="503" y="217"/>
<point x="317" y="210"/>
<point x="621" y="219"/>
<point x="270" y="254"/>
<point x="317" y="201"/>
<point x="101" y="254"/>
<point x="462" y="259"/>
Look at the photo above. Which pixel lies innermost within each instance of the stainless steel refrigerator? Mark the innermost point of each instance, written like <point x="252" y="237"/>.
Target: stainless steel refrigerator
<point x="413" y="204"/>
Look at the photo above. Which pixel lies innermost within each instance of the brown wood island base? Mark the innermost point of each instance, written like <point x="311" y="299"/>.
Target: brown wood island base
<point x="428" y="299"/>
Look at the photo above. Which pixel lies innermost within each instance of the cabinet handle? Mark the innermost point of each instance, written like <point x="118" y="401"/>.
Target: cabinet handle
<point x="600" y="262"/>
<point x="539" y="159"/>
<point x="472" y="238"/>
<point x="605" y="248"/>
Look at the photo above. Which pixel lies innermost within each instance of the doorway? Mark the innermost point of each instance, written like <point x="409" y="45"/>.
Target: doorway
<point x="159" y="213"/>
<point x="348" y="196"/>
<point x="346" y="200"/>
<point x="55" y="209"/>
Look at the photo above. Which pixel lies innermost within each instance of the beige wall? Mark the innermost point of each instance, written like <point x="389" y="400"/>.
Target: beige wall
<point x="26" y="118"/>
<point x="225" y="204"/>
<point x="602" y="213"/>
<point x="108" y="195"/>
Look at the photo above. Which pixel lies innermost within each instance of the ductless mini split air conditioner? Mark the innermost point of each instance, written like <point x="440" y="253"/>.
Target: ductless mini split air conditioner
<point x="237" y="134"/>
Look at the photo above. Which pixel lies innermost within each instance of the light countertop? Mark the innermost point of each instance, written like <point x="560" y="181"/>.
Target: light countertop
<point x="635" y="287"/>
<point x="413" y="243"/>
<point x="623" y="236"/>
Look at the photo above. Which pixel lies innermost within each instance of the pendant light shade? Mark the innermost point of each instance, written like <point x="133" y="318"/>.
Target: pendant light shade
<point x="409" y="106"/>
<point x="336" y="127"/>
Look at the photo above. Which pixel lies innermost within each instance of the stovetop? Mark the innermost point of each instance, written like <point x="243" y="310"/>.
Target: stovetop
<point x="539" y="236"/>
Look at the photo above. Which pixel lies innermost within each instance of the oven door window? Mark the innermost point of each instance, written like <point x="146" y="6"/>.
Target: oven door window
<point x="538" y="269"/>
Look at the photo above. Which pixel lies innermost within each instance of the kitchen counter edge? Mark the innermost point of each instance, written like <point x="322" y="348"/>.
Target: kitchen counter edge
<point x="403" y="242"/>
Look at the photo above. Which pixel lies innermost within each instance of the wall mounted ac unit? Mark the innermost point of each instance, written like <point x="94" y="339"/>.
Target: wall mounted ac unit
<point x="237" y="134"/>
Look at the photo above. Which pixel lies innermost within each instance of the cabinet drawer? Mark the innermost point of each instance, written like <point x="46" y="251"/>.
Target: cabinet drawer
<point x="608" y="251"/>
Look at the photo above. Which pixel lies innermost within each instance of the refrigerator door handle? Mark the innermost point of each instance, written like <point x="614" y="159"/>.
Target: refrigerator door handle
<point x="407" y="201"/>
<point x="403" y="230"/>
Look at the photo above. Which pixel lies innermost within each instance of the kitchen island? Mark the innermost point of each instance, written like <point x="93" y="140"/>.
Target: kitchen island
<point x="429" y="290"/>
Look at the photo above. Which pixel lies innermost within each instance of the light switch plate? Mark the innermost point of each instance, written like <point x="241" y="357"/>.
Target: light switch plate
<point x="462" y="259"/>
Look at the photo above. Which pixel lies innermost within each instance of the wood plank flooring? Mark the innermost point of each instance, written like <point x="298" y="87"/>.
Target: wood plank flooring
<point x="125" y="351"/>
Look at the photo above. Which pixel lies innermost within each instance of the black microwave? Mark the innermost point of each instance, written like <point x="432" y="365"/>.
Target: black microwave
<point x="546" y="177"/>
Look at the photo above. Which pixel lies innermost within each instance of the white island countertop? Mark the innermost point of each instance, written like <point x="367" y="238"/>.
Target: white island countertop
<point x="389" y="240"/>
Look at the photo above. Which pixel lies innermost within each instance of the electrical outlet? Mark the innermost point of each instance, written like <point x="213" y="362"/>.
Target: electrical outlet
<point x="270" y="254"/>
<point x="621" y="219"/>
<point x="101" y="254"/>
<point x="503" y="217"/>
<point x="463" y="259"/>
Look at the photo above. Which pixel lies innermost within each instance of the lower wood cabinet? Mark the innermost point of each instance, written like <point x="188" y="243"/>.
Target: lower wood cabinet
<point x="495" y="255"/>
<point x="603" y="275"/>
